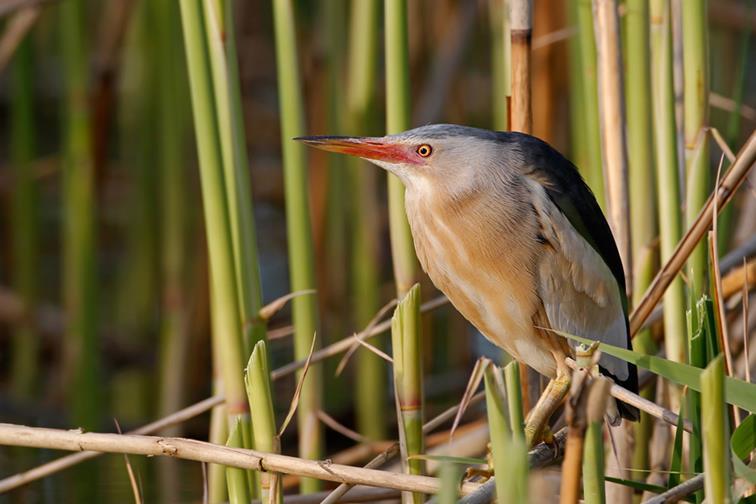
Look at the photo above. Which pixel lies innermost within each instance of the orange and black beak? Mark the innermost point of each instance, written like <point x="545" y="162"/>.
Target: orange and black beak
<point x="372" y="148"/>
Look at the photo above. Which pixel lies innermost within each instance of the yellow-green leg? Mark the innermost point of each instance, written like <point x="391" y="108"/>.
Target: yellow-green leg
<point x="549" y="401"/>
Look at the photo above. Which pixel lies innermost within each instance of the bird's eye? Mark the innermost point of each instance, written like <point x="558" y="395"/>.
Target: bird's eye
<point x="424" y="150"/>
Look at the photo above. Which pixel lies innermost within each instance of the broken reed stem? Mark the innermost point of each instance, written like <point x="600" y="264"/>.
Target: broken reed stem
<point x="265" y="438"/>
<point x="728" y="186"/>
<point x="521" y="33"/>
<point x="612" y="120"/>
<point x="573" y="449"/>
<point x="200" y="451"/>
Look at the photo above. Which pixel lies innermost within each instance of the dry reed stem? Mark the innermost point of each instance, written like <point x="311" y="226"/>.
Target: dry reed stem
<point x="730" y="183"/>
<point x="682" y="490"/>
<point x="576" y="425"/>
<point x="201" y="451"/>
<point x="612" y="120"/>
<point x="356" y="494"/>
<point x="521" y="30"/>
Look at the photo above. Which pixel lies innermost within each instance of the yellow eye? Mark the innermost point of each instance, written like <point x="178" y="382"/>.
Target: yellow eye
<point x="424" y="150"/>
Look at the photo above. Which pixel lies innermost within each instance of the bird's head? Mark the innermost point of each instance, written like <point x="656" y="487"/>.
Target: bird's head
<point x="439" y="157"/>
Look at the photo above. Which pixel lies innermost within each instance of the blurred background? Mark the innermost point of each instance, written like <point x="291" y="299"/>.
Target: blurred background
<point x="104" y="294"/>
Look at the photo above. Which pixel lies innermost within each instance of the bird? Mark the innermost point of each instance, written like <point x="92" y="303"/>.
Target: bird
<point x="505" y="226"/>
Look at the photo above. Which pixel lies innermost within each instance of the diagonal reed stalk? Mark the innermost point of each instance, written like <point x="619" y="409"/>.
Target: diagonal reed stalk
<point x="408" y="383"/>
<point x="79" y="242"/>
<point x="24" y="220"/>
<point x="364" y="212"/>
<point x="729" y="184"/>
<point x="696" y="103"/>
<point x="398" y="120"/>
<point x="298" y="228"/>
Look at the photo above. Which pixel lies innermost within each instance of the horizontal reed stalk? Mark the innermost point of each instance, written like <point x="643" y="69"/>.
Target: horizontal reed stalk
<point x="201" y="451"/>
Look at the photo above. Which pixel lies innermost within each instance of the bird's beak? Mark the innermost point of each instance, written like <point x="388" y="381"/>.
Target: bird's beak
<point x="372" y="148"/>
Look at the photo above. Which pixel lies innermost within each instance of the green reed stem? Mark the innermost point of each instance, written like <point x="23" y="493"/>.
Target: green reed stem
<point x="364" y="211"/>
<point x="514" y="398"/>
<point x="24" y="220"/>
<point x="696" y="103"/>
<point x="238" y="492"/>
<point x="398" y="120"/>
<point x="665" y="153"/>
<point x="593" y="169"/>
<point x="224" y="299"/>
<point x="257" y="380"/>
<point x="578" y="137"/>
<point x="79" y="242"/>
<point x="408" y="381"/>
<point x="642" y="187"/>
<point x="714" y="424"/>
<point x="299" y="232"/>
<point x="510" y="456"/>
<point x="170" y="127"/>
<point x="593" y="464"/>
<point x="501" y="62"/>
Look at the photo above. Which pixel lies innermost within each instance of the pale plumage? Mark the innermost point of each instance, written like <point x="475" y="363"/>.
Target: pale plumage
<point x="505" y="226"/>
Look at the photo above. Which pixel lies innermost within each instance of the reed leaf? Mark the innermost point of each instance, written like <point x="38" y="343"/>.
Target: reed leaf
<point x="737" y="392"/>
<point x="742" y="444"/>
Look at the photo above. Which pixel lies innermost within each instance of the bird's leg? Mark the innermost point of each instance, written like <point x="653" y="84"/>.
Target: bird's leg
<point x="549" y="401"/>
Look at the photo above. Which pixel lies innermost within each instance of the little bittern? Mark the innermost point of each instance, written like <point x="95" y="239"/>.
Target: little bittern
<point x="505" y="226"/>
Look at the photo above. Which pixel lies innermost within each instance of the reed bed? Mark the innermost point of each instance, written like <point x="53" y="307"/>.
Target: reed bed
<point x="139" y="280"/>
